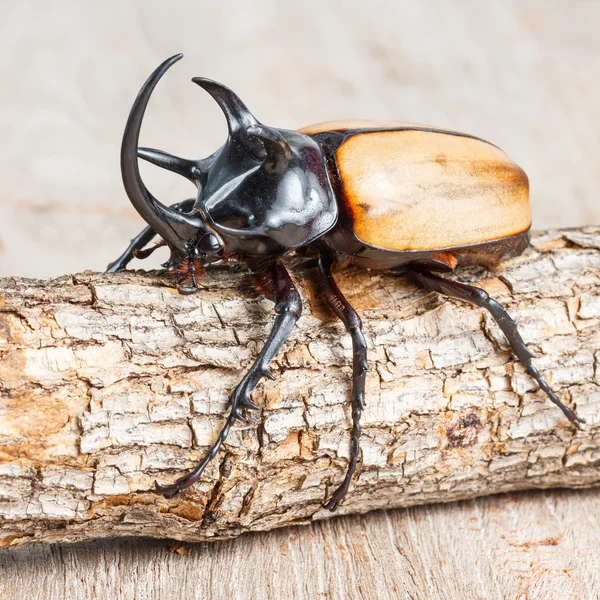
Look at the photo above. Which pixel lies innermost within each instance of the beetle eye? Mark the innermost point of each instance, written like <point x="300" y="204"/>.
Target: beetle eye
<point x="209" y="245"/>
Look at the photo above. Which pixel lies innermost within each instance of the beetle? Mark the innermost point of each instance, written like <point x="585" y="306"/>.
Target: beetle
<point x="389" y="196"/>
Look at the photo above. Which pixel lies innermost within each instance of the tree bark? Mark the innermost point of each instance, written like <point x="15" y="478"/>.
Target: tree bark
<point x="110" y="382"/>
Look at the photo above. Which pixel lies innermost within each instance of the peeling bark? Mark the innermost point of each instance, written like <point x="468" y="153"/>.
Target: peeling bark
<point x="110" y="382"/>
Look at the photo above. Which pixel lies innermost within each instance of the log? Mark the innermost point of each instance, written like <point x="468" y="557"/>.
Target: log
<point x="110" y="382"/>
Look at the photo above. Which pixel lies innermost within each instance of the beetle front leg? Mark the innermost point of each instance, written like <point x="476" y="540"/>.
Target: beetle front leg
<point x="481" y="298"/>
<point x="134" y="250"/>
<point x="344" y="311"/>
<point x="276" y="284"/>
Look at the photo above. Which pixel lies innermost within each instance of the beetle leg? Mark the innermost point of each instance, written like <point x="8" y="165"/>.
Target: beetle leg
<point x="344" y="311"/>
<point x="277" y="285"/>
<point x="481" y="298"/>
<point x="134" y="250"/>
<point x="138" y="242"/>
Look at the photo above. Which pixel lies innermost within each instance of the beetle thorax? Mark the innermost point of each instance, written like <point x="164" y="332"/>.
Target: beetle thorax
<point x="258" y="208"/>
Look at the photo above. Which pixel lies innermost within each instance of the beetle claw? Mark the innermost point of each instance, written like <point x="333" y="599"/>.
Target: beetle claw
<point x="168" y="491"/>
<point x="337" y="497"/>
<point x="574" y="418"/>
<point x="332" y="505"/>
<point x="115" y="266"/>
<point x="185" y="290"/>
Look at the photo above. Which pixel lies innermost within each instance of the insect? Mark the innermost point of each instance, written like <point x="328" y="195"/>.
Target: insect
<point x="390" y="196"/>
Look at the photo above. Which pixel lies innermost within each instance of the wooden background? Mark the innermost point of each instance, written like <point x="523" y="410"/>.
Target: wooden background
<point x="522" y="73"/>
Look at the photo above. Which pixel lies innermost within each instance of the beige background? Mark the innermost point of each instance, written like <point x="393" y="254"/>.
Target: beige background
<point x="522" y="73"/>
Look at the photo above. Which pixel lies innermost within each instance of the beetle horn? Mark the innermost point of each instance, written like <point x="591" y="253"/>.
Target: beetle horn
<point x="241" y="120"/>
<point x="278" y="150"/>
<point x="236" y="112"/>
<point x="182" y="166"/>
<point x="174" y="227"/>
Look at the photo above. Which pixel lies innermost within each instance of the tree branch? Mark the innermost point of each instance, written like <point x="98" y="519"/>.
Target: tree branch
<point x="110" y="382"/>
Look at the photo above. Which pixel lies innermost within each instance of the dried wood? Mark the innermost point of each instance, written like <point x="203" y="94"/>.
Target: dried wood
<point x="111" y="382"/>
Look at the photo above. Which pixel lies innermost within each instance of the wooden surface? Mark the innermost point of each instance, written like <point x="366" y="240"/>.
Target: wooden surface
<point x="537" y="545"/>
<point x="110" y="382"/>
<point x="522" y="73"/>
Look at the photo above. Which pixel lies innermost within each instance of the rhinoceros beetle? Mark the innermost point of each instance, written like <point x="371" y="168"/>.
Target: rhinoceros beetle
<point x="386" y="195"/>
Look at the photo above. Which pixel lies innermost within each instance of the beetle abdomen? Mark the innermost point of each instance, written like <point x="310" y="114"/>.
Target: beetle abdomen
<point x="424" y="190"/>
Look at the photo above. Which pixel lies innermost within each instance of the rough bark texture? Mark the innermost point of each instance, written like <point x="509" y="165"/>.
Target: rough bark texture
<point x="111" y="382"/>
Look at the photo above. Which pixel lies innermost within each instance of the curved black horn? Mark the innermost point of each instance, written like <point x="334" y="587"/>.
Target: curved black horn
<point x="182" y="166"/>
<point x="236" y="112"/>
<point x="175" y="228"/>
<point x="242" y="122"/>
<point x="277" y="147"/>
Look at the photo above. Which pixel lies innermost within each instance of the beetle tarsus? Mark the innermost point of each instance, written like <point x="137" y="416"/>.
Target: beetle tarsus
<point x="346" y="313"/>
<point x="186" y="290"/>
<point x="289" y="306"/>
<point x="187" y="282"/>
<point x="568" y="412"/>
<point x="480" y="297"/>
<point x="137" y="243"/>
<point x="170" y="491"/>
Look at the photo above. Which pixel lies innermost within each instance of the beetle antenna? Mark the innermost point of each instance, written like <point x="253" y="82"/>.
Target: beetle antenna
<point x="182" y="166"/>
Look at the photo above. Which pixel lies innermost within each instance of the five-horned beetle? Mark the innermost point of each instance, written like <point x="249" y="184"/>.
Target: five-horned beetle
<point x="387" y="195"/>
